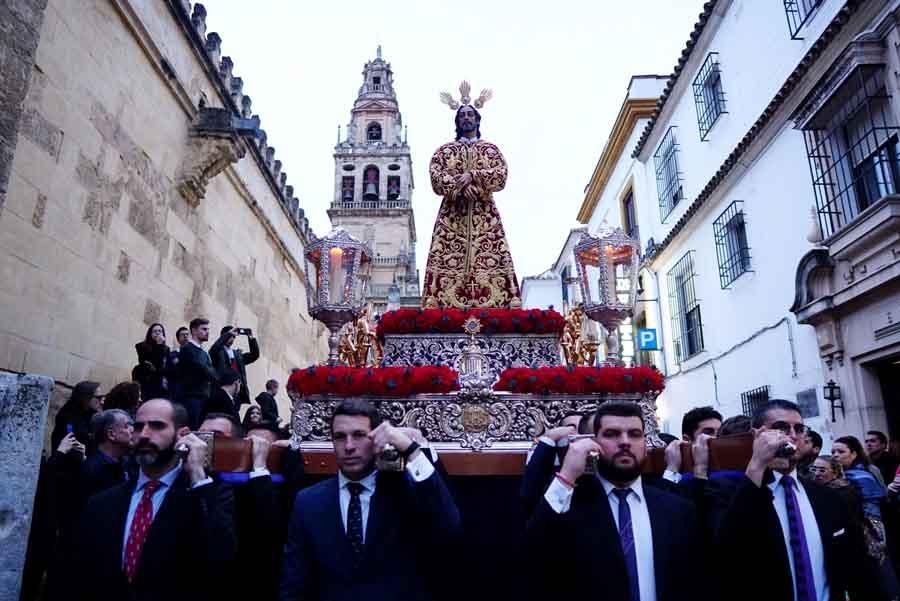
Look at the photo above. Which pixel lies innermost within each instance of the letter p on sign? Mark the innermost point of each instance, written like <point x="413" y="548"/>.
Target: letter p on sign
<point x="647" y="339"/>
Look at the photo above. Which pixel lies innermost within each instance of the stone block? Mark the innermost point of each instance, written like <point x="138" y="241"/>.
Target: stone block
<point x="23" y="415"/>
<point x="46" y="360"/>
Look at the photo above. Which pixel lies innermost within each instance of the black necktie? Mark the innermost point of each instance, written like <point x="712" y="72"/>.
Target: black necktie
<point x="354" y="518"/>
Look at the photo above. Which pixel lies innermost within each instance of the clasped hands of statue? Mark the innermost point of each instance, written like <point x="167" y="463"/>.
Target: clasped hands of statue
<point x="464" y="188"/>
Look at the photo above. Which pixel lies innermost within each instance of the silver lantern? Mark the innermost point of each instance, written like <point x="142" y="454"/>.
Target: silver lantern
<point x="337" y="268"/>
<point x="608" y="268"/>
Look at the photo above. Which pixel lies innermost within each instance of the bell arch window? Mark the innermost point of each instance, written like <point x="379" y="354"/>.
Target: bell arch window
<point x="347" y="184"/>
<point x="373" y="132"/>
<point x="370" y="183"/>
<point x="393" y="187"/>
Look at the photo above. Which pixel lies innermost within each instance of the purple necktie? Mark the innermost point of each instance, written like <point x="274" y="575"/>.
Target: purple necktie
<point x="803" y="574"/>
<point x="626" y="537"/>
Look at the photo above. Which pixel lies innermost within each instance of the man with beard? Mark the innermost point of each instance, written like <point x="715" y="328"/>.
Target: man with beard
<point x="469" y="262"/>
<point x="798" y="536"/>
<point x="366" y="534"/>
<point x="195" y="372"/>
<point x="168" y="534"/>
<point x="634" y="542"/>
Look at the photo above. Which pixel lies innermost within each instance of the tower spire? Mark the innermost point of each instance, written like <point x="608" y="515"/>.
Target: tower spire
<point x="378" y="52"/>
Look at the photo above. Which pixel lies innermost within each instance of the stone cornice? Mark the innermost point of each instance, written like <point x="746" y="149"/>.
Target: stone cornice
<point x="632" y="110"/>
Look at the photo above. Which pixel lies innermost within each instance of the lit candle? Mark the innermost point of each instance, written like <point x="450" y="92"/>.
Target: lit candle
<point x="336" y="275"/>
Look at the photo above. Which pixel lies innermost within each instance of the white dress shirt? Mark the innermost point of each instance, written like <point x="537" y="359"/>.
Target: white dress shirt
<point x="561" y="443"/>
<point x="810" y="529"/>
<point x="559" y="497"/>
<point x="166" y="481"/>
<point x="419" y="469"/>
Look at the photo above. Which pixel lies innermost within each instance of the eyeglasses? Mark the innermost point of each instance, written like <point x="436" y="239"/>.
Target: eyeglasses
<point x="799" y="429"/>
<point x="817" y="470"/>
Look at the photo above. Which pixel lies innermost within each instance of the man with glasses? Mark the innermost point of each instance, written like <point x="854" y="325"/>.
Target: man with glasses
<point x="796" y="534"/>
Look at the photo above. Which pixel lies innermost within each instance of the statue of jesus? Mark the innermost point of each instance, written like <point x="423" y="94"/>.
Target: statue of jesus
<point x="469" y="264"/>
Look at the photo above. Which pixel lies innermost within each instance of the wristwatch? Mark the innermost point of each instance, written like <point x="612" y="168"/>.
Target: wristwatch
<point x="412" y="448"/>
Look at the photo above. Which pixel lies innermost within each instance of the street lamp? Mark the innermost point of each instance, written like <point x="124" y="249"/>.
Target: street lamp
<point x="832" y="394"/>
<point x="608" y="266"/>
<point x="340" y="264"/>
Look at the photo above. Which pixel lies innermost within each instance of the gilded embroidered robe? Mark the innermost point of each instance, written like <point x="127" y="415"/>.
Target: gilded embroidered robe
<point x="469" y="264"/>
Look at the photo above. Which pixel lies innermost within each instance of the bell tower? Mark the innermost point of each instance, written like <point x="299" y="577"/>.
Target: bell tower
<point x="373" y="189"/>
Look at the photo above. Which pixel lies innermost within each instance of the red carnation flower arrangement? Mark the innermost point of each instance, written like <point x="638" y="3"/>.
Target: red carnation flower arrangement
<point x="450" y="321"/>
<point x="373" y="381"/>
<point x="580" y="380"/>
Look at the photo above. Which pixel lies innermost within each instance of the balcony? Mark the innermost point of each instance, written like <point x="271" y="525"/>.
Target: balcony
<point x="372" y="204"/>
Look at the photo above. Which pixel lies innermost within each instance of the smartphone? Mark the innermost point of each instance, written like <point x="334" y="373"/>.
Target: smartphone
<point x="69" y="428"/>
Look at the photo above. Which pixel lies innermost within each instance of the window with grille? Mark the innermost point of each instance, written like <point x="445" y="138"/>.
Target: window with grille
<point x="852" y="145"/>
<point x="668" y="177"/>
<point x="687" y="325"/>
<point x="798" y="13"/>
<point x="754" y="399"/>
<point x="629" y="217"/>
<point x="732" y="250"/>
<point x="709" y="98"/>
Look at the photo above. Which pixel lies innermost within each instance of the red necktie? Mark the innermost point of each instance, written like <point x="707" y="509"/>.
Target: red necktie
<point x="140" y="525"/>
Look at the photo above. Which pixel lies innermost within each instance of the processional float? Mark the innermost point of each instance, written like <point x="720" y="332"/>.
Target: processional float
<point x="476" y="375"/>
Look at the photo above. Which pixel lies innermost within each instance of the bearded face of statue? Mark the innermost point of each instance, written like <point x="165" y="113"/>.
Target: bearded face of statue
<point x="467" y="122"/>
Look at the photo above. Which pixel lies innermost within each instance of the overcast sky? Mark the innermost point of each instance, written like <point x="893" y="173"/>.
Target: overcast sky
<point x="559" y="71"/>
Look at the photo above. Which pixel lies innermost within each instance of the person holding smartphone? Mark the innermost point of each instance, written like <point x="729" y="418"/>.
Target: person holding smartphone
<point x="226" y="358"/>
<point x="167" y="534"/>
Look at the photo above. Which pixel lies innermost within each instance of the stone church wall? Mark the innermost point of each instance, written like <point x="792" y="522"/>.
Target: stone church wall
<point x="96" y="242"/>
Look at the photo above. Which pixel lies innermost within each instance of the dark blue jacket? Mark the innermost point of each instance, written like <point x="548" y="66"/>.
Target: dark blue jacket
<point x="409" y="524"/>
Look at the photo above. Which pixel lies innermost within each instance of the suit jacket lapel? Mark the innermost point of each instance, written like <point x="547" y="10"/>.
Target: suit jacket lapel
<point x="822" y="520"/>
<point x="121" y="504"/>
<point x="659" y="527"/>
<point x="378" y="506"/>
<point x="334" y="524"/>
<point x="602" y="528"/>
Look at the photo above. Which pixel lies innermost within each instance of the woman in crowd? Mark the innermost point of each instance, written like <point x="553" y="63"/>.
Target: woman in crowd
<point x="252" y="417"/>
<point x="152" y="371"/>
<point x="125" y="396"/>
<point x="849" y="452"/>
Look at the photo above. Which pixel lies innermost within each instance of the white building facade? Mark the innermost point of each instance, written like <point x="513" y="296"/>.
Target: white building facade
<point x="717" y="187"/>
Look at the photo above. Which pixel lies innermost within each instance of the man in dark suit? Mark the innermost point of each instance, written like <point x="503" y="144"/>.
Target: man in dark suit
<point x="365" y="534"/>
<point x="196" y="375"/>
<point x="609" y="537"/>
<point x="224" y="398"/>
<point x="783" y="538"/>
<point x="105" y="467"/>
<point x="169" y="534"/>
<point x="257" y="515"/>
<point x="267" y="404"/>
<point x="227" y="358"/>
<point x="544" y="459"/>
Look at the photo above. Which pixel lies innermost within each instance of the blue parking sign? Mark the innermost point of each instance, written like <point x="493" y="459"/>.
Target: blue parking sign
<point x="647" y="339"/>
